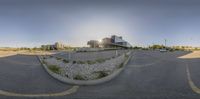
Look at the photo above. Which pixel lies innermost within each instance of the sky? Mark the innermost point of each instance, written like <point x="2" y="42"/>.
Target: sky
<point x="30" y="23"/>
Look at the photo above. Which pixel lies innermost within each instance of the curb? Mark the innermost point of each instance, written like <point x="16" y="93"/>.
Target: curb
<point x="88" y="82"/>
<point x="64" y="93"/>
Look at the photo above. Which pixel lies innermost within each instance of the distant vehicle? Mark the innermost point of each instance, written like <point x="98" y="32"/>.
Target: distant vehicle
<point x="163" y="50"/>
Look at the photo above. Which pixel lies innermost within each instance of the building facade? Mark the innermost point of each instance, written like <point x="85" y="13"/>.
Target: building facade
<point x="115" y="42"/>
<point x="56" y="46"/>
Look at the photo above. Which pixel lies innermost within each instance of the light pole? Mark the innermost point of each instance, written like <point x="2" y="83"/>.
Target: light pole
<point x="69" y="55"/>
<point x="165" y="43"/>
<point x="94" y="44"/>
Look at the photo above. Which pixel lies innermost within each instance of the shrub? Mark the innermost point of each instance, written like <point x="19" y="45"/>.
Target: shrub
<point x="58" y="58"/>
<point x="91" y="62"/>
<point x="100" y="60"/>
<point x="79" y="77"/>
<point x="74" y="62"/>
<point x="102" y="74"/>
<point x="121" y="65"/>
<point x="126" y="56"/>
<point x="44" y="62"/>
<point x="65" y="61"/>
<point x="54" y="69"/>
<point x="80" y="62"/>
<point x="171" y="50"/>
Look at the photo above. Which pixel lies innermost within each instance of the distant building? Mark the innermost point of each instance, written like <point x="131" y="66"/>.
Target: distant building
<point x="106" y="42"/>
<point x="56" y="46"/>
<point x="112" y="42"/>
<point x="116" y="42"/>
<point x="59" y="45"/>
<point x="93" y="43"/>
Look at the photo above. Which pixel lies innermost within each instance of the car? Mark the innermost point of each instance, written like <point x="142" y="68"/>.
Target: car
<point x="163" y="50"/>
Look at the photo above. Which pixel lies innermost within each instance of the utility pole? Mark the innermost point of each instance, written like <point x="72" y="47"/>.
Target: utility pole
<point x="69" y="55"/>
<point x="165" y="43"/>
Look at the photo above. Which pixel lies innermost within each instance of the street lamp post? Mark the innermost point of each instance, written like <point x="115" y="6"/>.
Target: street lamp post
<point x="69" y="55"/>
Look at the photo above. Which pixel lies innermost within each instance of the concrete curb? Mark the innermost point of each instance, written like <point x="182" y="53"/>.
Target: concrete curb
<point x="88" y="82"/>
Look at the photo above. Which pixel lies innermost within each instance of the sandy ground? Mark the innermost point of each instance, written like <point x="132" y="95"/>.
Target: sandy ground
<point x="194" y="54"/>
<point x="36" y="53"/>
<point x="7" y="53"/>
<point x="11" y="53"/>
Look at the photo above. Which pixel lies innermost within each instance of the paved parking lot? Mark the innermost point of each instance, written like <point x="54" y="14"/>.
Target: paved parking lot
<point x="148" y="75"/>
<point x="24" y="74"/>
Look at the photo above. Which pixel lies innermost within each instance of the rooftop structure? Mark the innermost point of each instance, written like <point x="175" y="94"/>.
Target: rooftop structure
<point x="112" y="42"/>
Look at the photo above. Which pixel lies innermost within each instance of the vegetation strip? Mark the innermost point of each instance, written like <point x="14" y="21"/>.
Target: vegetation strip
<point x="89" y="82"/>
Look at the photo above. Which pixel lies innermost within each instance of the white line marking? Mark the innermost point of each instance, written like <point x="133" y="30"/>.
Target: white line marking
<point x="191" y="83"/>
<point x="67" y="92"/>
<point x="144" y="65"/>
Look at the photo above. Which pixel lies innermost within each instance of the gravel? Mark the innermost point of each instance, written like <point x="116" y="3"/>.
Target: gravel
<point x="84" y="56"/>
<point x="88" y="71"/>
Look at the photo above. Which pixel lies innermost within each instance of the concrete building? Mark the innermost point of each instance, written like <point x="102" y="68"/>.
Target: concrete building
<point x="56" y="46"/>
<point x="59" y="45"/>
<point x="106" y="42"/>
<point x="115" y="42"/>
<point x="93" y="43"/>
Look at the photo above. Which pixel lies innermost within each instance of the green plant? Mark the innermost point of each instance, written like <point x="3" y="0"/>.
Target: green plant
<point x="54" y="69"/>
<point x="74" y="62"/>
<point x="80" y="62"/>
<point x="126" y="56"/>
<point x="79" y="77"/>
<point x="102" y="74"/>
<point x="65" y="61"/>
<point x="58" y="58"/>
<point x="100" y="60"/>
<point x="91" y="62"/>
<point x="121" y="65"/>
<point x="44" y="62"/>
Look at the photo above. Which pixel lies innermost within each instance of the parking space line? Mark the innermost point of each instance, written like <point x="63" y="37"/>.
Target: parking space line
<point x="143" y="65"/>
<point x="191" y="83"/>
<point x="64" y="93"/>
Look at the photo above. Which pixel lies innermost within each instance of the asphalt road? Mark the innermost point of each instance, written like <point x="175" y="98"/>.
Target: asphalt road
<point x="24" y="74"/>
<point x="148" y="75"/>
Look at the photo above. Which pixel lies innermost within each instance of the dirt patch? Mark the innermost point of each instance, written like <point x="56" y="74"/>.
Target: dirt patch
<point x="194" y="54"/>
<point x="7" y="53"/>
<point x="11" y="53"/>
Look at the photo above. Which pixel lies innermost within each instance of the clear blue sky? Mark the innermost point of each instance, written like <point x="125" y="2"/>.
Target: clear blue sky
<point x="141" y="22"/>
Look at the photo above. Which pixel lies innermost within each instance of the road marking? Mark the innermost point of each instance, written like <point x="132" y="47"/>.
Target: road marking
<point x="144" y="65"/>
<point x="67" y="92"/>
<point x="191" y="83"/>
